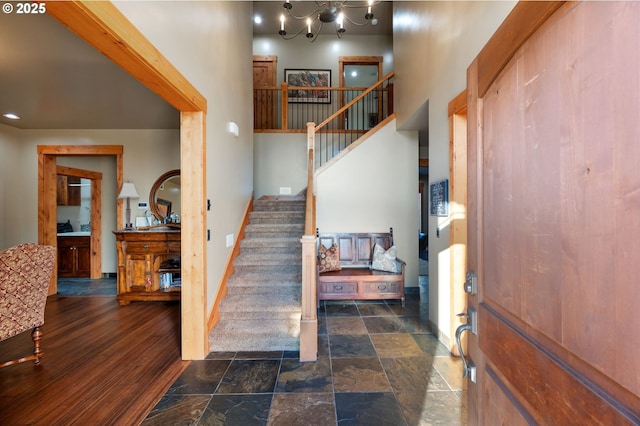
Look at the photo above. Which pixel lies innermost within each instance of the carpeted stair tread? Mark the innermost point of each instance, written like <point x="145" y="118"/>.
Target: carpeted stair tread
<point x="291" y="242"/>
<point x="258" y="279"/>
<point x="284" y="228"/>
<point x="268" y="269"/>
<point x="274" y="217"/>
<point x="281" y="335"/>
<point x="268" y="259"/>
<point x="257" y="303"/>
<point x="278" y="205"/>
<point x="262" y="308"/>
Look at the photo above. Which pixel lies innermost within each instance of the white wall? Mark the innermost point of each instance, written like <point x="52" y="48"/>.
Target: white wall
<point x="372" y="188"/>
<point x="280" y="160"/>
<point x="147" y="154"/>
<point x="210" y="44"/>
<point x="12" y="191"/>
<point x="324" y="52"/>
<point x="433" y="44"/>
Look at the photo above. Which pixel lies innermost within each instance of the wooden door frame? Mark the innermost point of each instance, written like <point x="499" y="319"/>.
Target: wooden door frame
<point x="104" y="27"/>
<point x="357" y="60"/>
<point x="457" y="112"/>
<point x="95" y="215"/>
<point x="47" y="203"/>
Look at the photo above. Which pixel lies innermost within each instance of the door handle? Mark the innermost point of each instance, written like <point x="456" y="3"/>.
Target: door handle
<point x="469" y="368"/>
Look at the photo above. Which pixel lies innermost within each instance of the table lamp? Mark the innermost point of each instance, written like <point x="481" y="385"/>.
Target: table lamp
<point x="128" y="191"/>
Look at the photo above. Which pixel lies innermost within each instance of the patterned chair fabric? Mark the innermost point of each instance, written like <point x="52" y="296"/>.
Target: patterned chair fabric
<point x="25" y="273"/>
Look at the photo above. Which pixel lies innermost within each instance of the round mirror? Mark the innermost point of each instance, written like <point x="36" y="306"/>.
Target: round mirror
<point x="164" y="198"/>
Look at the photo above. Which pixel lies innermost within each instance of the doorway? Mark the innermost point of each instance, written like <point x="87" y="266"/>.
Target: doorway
<point x="48" y="171"/>
<point x="89" y="219"/>
<point x="457" y="112"/>
<point x="104" y="27"/>
<point x="360" y="72"/>
<point x="265" y="105"/>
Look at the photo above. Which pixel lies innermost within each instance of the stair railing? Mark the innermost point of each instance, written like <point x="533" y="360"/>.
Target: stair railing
<point x="309" y="318"/>
<point x="353" y="120"/>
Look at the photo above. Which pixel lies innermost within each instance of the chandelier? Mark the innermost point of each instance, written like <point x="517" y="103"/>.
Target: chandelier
<point x="327" y="12"/>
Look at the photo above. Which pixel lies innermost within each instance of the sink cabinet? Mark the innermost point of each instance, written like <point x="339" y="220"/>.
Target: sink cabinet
<point x="143" y="256"/>
<point x="74" y="256"/>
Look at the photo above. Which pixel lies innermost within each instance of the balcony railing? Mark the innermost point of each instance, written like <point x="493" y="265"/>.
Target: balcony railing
<point x="345" y="113"/>
<point x="288" y="109"/>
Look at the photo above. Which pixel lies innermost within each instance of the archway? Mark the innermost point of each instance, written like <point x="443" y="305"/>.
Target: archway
<point x="104" y="27"/>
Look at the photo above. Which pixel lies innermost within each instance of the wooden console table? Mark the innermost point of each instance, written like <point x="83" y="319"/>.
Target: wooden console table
<point x="142" y="257"/>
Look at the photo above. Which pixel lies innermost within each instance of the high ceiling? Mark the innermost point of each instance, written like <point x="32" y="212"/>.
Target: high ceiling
<point x="53" y="79"/>
<point x="270" y="12"/>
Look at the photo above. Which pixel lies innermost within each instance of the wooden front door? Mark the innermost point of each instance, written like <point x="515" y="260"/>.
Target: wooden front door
<point x="265" y="107"/>
<point x="554" y="216"/>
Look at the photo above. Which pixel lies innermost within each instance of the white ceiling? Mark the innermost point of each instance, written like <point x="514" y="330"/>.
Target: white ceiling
<point x="55" y="80"/>
<point x="270" y="12"/>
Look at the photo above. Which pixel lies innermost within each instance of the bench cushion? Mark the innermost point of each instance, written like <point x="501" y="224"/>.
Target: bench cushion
<point x="384" y="260"/>
<point x="328" y="259"/>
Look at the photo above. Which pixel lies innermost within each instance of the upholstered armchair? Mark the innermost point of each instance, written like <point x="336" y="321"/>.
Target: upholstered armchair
<point x="25" y="273"/>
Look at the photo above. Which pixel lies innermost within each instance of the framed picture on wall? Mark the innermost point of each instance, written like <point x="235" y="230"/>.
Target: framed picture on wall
<point x="439" y="198"/>
<point x="308" y="78"/>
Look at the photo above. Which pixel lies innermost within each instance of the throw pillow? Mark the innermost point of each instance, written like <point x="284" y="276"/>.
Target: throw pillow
<point x="328" y="259"/>
<point x="384" y="260"/>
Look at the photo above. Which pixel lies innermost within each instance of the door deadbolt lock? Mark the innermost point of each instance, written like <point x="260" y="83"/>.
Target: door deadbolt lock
<point x="471" y="283"/>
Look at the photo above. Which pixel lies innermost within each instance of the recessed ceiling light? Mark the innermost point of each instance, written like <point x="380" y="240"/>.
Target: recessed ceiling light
<point x="11" y="116"/>
<point x="257" y="19"/>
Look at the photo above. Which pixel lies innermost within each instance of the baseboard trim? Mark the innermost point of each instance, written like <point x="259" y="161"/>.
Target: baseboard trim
<point x="214" y="315"/>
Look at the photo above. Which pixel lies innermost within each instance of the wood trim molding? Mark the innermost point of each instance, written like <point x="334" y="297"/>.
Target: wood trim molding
<point x="103" y="26"/>
<point x="70" y="171"/>
<point x="265" y="58"/>
<point x="95" y="214"/>
<point x="214" y="315"/>
<point x="47" y="205"/>
<point x="457" y="112"/>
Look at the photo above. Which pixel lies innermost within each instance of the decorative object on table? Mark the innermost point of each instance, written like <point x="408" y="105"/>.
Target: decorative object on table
<point x="128" y="191"/>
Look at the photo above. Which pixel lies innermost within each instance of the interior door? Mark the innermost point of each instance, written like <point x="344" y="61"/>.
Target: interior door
<point x="359" y="73"/>
<point x="265" y="107"/>
<point x="554" y="217"/>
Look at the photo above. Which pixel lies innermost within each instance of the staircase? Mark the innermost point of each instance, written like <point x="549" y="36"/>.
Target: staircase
<point x="262" y="309"/>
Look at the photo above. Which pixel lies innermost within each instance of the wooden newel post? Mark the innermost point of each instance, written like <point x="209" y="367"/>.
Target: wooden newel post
<point x="309" y="318"/>
<point x="285" y="105"/>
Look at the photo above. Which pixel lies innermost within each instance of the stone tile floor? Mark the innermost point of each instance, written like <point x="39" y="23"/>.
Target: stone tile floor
<point x="378" y="364"/>
<point x="87" y="287"/>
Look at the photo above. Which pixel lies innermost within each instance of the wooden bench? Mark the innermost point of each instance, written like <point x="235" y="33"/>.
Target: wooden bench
<point x="356" y="280"/>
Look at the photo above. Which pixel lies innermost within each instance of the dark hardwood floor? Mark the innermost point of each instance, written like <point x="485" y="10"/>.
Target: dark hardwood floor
<point x="103" y="363"/>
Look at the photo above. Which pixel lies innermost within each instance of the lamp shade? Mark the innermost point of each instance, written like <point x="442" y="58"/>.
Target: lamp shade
<point x="128" y="191"/>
